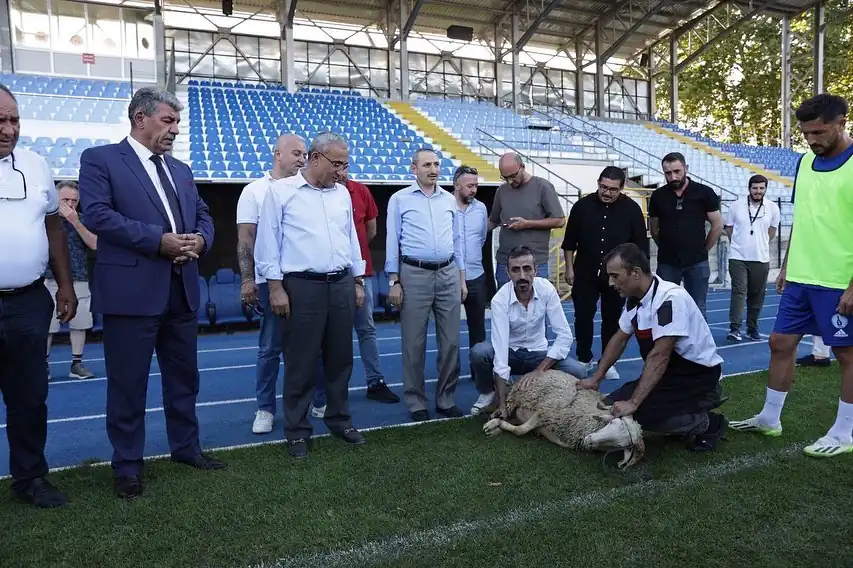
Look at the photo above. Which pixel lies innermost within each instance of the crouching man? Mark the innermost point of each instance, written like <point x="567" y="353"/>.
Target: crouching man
<point x="518" y="345"/>
<point x="682" y="369"/>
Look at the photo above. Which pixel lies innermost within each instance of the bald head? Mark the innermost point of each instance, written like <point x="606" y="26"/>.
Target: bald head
<point x="289" y="155"/>
<point x="512" y="169"/>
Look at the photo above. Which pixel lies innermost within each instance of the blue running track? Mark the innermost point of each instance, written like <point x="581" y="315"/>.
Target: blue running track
<point x="226" y="403"/>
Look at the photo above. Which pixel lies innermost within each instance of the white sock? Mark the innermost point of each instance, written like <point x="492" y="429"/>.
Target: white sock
<point x="771" y="414"/>
<point x="843" y="427"/>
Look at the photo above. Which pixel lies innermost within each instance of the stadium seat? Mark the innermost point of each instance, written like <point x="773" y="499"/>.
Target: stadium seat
<point x="203" y="302"/>
<point x="225" y="305"/>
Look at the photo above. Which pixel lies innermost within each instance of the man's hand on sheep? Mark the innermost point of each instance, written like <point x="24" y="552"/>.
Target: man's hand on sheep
<point x="524" y="381"/>
<point x="591" y="383"/>
<point x="623" y="408"/>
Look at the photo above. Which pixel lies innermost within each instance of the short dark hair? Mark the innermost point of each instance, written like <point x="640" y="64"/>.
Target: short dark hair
<point x="420" y="151"/>
<point x="757" y="178"/>
<point x="631" y="256"/>
<point x="518" y="252"/>
<point x="8" y="91"/>
<point x="673" y="157"/>
<point x="464" y="170"/>
<point x="613" y="172"/>
<point x="67" y="183"/>
<point x="823" y="106"/>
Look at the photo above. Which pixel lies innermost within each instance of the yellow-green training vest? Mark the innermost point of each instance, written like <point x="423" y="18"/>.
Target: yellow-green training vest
<point x="821" y="251"/>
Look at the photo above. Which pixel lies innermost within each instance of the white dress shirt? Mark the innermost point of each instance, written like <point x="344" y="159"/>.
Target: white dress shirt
<point x="684" y="321"/>
<point x="751" y="240"/>
<point x="151" y="169"/>
<point x="516" y="327"/>
<point x="24" y="250"/>
<point x="302" y="228"/>
<point x="249" y="207"/>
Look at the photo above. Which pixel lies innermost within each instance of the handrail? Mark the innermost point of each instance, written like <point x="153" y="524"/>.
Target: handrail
<point x="613" y="139"/>
<point x="526" y="158"/>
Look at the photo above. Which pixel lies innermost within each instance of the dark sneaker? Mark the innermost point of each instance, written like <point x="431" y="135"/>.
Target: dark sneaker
<point x="734" y="335"/>
<point x="753" y="335"/>
<point x="78" y="371"/>
<point x="41" y="493"/>
<point x="812" y="361"/>
<point x="380" y="392"/>
<point x="707" y="442"/>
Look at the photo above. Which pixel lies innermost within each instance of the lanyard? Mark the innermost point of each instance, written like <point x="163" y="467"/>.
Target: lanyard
<point x="751" y="218"/>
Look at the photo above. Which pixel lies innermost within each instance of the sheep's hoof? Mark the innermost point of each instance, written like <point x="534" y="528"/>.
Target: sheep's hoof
<point x="492" y="427"/>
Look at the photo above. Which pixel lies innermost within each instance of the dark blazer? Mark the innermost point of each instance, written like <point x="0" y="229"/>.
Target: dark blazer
<point x="123" y="209"/>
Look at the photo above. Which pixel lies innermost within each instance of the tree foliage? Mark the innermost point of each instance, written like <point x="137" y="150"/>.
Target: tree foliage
<point x="732" y="91"/>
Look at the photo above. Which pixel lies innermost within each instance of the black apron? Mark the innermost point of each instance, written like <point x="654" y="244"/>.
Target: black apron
<point x="685" y="387"/>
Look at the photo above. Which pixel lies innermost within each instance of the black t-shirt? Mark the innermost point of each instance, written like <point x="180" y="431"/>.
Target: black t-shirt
<point x="681" y="222"/>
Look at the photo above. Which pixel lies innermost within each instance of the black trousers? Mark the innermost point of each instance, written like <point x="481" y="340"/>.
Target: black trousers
<point x="475" y="310"/>
<point x="586" y="291"/>
<point x="320" y="325"/>
<point x="24" y="324"/>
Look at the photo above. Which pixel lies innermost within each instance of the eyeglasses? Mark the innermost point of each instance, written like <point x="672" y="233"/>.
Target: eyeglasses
<point x="15" y="193"/>
<point x="464" y="170"/>
<point x="336" y="165"/>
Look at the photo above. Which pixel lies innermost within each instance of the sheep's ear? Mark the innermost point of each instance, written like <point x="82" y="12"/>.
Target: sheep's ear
<point x="605" y="418"/>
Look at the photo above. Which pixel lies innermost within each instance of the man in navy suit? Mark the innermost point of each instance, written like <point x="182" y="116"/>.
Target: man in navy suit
<point x="152" y="227"/>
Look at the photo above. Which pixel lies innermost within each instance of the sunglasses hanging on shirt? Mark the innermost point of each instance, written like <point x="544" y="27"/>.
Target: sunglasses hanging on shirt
<point x="13" y="189"/>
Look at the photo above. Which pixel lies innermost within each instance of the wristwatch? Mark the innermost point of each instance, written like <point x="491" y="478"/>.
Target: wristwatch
<point x="360" y="281"/>
<point x="392" y="282"/>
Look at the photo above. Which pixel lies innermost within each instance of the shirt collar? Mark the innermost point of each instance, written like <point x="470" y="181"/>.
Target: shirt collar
<point x="415" y="188"/>
<point x="647" y="299"/>
<point x="301" y="182"/>
<point x="141" y="151"/>
<point x="514" y="299"/>
<point x="8" y="158"/>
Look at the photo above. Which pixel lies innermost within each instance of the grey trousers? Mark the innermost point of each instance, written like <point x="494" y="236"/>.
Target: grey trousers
<point x="439" y="292"/>
<point x="320" y="325"/>
<point x="749" y="282"/>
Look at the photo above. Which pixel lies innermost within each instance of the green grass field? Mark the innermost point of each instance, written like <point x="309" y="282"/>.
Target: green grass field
<point x="441" y="494"/>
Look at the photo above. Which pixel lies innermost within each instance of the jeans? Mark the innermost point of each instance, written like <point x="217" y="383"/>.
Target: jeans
<point x="695" y="279"/>
<point x="502" y="277"/>
<point x="365" y="329"/>
<point x="521" y="361"/>
<point x="269" y="352"/>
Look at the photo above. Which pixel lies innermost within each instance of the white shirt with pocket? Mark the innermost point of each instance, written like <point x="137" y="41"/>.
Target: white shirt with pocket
<point x="750" y="241"/>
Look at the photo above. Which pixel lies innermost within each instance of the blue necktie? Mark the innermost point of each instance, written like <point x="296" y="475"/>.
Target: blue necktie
<point x="171" y="196"/>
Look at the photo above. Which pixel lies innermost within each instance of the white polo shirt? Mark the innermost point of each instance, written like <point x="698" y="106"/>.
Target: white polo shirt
<point x="27" y="194"/>
<point x="249" y="207"/>
<point x="751" y="224"/>
<point x="667" y="310"/>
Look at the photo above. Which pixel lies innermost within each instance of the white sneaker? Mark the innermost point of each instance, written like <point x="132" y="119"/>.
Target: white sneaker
<point x="318" y="411"/>
<point x="612" y="374"/>
<point x="263" y="422"/>
<point x="828" y="447"/>
<point x="483" y="402"/>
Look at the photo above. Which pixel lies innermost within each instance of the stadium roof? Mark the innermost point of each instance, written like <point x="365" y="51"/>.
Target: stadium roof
<point x="628" y="26"/>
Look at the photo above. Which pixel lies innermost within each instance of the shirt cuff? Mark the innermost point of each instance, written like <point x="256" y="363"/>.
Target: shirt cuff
<point x="269" y="271"/>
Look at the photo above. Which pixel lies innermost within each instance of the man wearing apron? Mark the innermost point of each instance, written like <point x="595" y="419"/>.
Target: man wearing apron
<point x="680" y="381"/>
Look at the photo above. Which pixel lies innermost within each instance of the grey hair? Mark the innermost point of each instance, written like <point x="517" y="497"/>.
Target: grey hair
<point x="147" y="99"/>
<point x="6" y="90"/>
<point x="325" y="139"/>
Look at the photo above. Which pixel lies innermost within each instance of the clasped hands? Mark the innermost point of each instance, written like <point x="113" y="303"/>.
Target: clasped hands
<point x="181" y="248"/>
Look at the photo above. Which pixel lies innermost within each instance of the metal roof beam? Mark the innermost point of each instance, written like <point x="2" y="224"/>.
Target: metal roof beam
<point x="410" y="21"/>
<point x="629" y="33"/>
<point x="532" y="28"/>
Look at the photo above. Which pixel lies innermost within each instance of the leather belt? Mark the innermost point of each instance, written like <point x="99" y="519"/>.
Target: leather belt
<point x="320" y="276"/>
<point x="22" y="290"/>
<point x="424" y="264"/>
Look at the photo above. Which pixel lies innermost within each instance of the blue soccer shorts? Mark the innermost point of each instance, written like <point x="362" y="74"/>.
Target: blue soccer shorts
<point x="813" y="310"/>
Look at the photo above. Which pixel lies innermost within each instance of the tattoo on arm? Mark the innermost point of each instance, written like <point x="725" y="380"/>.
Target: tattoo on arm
<point x="246" y="260"/>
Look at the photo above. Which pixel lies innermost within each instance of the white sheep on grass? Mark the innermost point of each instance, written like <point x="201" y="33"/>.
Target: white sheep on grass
<point x="553" y="407"/>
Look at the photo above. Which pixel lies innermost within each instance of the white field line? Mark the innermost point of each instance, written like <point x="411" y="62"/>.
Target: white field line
<point x="388" y="338"/>
<point x="427" y="541"/>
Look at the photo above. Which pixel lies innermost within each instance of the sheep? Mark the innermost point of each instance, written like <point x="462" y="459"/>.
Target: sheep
<point x="573" y="418"/>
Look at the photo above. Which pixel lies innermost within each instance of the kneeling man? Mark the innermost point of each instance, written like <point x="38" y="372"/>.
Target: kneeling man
<point x="518" y="345"/>
<point x="682" y="369"/>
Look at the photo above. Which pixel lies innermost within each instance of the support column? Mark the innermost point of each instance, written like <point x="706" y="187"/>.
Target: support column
<point x="159" y="46"/>
<point x="817" y="47"/>
<point x="288" y="74"/>
<point x="7" y="59"/>
<point x="652" y="100"/>
<point x="786" y="82"/>
<point x="579" y="98"/>
<point x="600" y="89"/>
<point x="499" y="84"/>
<point x="514" y="36"/>
<point x="404" y="53"/>
<point x="673" y="79"/>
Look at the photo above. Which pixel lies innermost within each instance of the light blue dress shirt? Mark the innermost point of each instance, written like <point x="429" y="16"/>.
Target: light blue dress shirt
<point x="474" y="227"/>
<point x="306" y="229"/>
<point x="423" y="228"/>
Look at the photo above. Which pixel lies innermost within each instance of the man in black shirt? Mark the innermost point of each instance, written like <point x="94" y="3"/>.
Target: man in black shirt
<point x="598" y="223"/>
<point x="677" y="215"/>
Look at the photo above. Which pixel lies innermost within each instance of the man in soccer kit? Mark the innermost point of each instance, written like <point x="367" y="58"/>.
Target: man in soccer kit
<point x="816" y="280"/>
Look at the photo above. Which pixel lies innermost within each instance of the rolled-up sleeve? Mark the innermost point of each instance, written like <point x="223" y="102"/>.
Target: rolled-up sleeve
<point x="500" y="336"/>
<point x="268" y="236"/>
<point x="559" y="350"/>
<point x="392" y="235"/>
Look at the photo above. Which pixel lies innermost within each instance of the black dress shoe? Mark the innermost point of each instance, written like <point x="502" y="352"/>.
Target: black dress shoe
<point x="41" y="493"/>
<point x="128" y="487"/>
<point x="201" y="461"/>
<point x="420" y="415"/>
<point x="452" y="412"/>
<point x="350" y="436"/>
<point x="707" y="442"/>
<point x="381" y="393"/>
<point x="297" y="448"/>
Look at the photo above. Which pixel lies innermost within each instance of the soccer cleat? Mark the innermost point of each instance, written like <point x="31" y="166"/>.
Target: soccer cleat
<point x="753" y="425"/>
<point x="828" y="447"/>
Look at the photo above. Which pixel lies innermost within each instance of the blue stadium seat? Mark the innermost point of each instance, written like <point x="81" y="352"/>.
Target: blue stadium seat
<point x="203" y="302"/>
<point x="224" y="293"/>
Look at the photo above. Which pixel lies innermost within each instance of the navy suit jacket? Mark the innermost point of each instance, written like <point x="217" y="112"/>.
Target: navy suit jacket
<point x="122" y="207"/>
